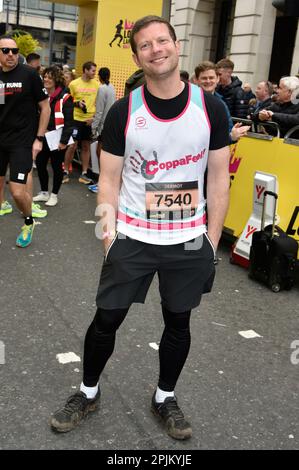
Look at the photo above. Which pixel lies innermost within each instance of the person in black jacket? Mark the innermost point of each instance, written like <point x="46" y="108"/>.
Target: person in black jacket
<point x="285" y="112"/>
<point x="61" y="120"/>
<point x="264" y="92"/>
<point x="230" y="88"/>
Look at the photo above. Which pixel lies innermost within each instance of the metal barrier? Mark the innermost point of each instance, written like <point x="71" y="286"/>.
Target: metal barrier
<point x="276" y="157"/>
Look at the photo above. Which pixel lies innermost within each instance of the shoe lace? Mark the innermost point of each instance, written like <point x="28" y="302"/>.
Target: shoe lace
<point x="171" y="408"/>
<point x="25" y="231"/>
<point x="74" y="403"/>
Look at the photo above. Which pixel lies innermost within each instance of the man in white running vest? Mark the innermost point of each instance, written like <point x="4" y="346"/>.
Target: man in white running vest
<point x="157" y="144"/>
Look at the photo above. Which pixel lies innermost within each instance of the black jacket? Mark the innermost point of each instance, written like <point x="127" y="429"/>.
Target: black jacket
<point x="287" y="116"/>
<point x="235" y="98"/>
<point x="68" y="111"/>
<point x="253" y="111"/>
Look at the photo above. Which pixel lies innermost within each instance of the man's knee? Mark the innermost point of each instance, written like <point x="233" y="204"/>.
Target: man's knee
<point x="17" y="190"/>
<point x="108" y="321"/>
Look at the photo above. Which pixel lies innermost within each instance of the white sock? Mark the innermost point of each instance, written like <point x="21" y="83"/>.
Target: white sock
<point x="161" y="395"/>
<point x="90" y="392"/>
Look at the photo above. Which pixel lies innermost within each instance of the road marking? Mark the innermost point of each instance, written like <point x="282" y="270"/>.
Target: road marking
<point x="89" y="222"/>
<point x="248" y="334"/>
<point x="218" y="324"/>
<point x="65" y="358"/>
<point x="154" y="346"/>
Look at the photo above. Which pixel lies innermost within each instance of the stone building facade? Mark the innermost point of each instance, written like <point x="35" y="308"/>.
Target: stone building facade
<point x="252" y="33"/>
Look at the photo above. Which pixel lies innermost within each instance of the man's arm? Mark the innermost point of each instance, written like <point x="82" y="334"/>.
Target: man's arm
<point x="109" y="188"/>
<point x="44" y="117"/>
<point x="217" y="192"/>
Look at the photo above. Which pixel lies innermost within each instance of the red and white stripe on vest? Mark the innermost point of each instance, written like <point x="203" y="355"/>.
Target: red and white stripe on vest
<point x="59" y="117"/>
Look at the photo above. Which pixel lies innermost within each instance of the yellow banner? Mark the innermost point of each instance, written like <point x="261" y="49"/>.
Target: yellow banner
<point x="275" y="157"/>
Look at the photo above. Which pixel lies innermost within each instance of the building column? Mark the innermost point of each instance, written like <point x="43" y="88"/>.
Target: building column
<point x="252" y="38"/>
<point x="193" y="22"/>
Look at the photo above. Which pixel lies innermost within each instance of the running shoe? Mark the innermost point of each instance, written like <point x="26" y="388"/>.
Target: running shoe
<point x="173" y="418"/>
<point x="37" y="212"/>
<point x="83" y="178"/>
<point x="52" y="201"/>
<point x="93" y="188"/>
<point x="66" y="177"/>
<point x="5" y="208"/>
<point x="76" y="408"/>
<point x="42" y="196"/>
<point x="25" y="237"/>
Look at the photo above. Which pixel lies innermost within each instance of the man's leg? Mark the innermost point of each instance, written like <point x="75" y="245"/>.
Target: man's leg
<point x="23" y="201"/>
<point x="173" y="352"/>
<point x="98" y="347"/>
<point x="22" y="196"/>
<point x="68" y="158"/>
<point x="85" y="155"/>
<point x="85" y="159"/>
<point x="2" y="186"/>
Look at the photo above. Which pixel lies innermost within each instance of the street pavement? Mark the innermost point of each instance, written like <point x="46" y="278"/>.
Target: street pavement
<point x="240" y="393"/>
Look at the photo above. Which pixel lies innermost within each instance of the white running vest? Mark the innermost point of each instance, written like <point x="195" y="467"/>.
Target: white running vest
<point x="161" y="198"/>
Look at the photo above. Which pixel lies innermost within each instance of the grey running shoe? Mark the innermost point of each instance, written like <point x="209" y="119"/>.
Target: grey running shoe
<point x="172" y="417"/>
<point x="76" y="408"/>
<point x="84" y="179"/>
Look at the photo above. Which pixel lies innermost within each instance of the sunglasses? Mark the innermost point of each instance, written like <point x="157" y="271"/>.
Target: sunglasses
<point x="6" y="50"/>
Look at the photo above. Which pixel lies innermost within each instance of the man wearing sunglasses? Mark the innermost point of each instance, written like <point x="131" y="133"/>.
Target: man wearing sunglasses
<point x="22" y="129"/>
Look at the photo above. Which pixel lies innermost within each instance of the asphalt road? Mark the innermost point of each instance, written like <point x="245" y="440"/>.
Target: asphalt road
<point x="239" y="393"/>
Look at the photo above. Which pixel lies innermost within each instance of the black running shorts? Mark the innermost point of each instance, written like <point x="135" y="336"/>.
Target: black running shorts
<point x="19" y="161"/>
<point x="185" y="271"/>
<point x="81" y="131"/>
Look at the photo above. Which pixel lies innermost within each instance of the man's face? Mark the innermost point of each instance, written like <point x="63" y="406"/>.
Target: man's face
<point x="35" y="64"/>
<point x="208" y="80"/>
<point x="283" y="93"/>
<point x="261" y="91"/>
<point x="90" y="73"/>
<point x="224" y="76"/>
<point x="157" y="53"/>
<point x="8" y="61"/>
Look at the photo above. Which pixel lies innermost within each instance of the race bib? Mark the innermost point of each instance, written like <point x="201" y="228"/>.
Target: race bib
<point x="171" y="201"/>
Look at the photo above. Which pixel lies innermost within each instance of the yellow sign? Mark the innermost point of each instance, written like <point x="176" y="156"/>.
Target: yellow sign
<point x="104" y="30"/>
<point x="275" y="157"/>
<point x="116" y="20"/>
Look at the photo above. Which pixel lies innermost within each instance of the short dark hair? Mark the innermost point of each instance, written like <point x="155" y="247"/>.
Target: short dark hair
<point x="7" y="36"/>
<point x="104" y="74"/>
<point x="32" y="56"/>
<point x="146" y="21"/>
<point x="88" y="65"/>
<point x="203" y="67"/>
<point x="57" y="74"/>
<point x="184" y="75"/>
<point x="225" y="64"/>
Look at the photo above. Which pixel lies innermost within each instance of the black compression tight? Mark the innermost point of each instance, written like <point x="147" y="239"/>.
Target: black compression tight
<point x="100" y="341"/>
<point x="174" y="347"/>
